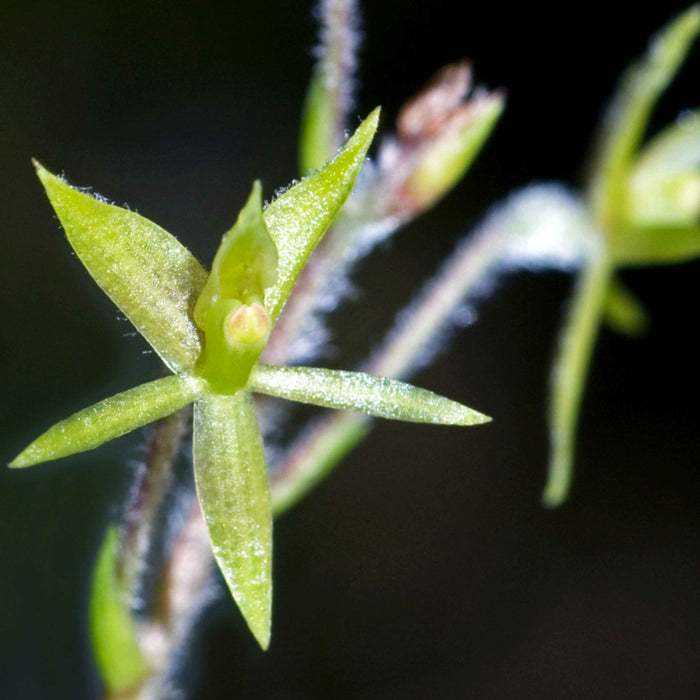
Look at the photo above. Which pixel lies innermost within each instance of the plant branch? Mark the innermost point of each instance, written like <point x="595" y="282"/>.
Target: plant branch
<point x="406" y="347"/>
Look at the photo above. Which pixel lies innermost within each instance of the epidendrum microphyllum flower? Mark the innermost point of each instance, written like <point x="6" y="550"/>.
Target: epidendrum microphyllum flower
<point x="210" y="331"/>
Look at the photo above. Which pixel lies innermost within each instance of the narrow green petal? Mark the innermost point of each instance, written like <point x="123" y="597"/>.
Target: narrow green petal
<point x="640" y="88"/>
<point x="569" y="375"/>
<point x="111" y="418"/>
<point x="298" y="218"/>
<point x="623" y="312"/>
<point x="113" y="632"/>
<point x="663" y="199"/>
<point x="151" y="277"/>
<point x="357" y="391"/>
<point x="233" y="489"/>
<point x="656" y="246"/>
<point x="675" y="148"/>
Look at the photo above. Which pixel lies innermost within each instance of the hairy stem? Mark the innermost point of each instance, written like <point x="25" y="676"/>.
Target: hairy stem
<point x="321" y="446"/>
<point x="152" y="484"/>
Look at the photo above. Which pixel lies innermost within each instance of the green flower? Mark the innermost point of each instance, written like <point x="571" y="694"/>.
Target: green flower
<point x="210" y="330"/>
<point x="645" y="207"/>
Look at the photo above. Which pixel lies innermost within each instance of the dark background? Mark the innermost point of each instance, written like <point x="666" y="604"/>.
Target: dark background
<point x="425" y="567"/>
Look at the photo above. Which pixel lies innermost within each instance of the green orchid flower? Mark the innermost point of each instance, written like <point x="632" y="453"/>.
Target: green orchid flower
<point x="210" y="330"/>
<point x="645" y="207"/>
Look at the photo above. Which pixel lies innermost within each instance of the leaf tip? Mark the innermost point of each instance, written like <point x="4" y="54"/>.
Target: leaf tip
<point x="366" y="131"/>
<point x="262" y="633"/>
<point x="478" y="418"/>
<point x="373" y="118"/>
<point x="24" y="459"/>
<point x="41" y="171"/>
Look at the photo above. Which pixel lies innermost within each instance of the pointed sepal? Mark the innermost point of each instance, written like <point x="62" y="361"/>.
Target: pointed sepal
<point x="233" y="490"/>
<point x="623" y="312"/>
<point x="358" y="391"/>
<point x="146" y="272"/>
<point x="298" y="218"/>
<point x="108" y="419"/>
<point x="627" y="118"/>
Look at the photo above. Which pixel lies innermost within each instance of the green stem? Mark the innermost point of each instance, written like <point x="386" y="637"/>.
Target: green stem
<point x="321" y="447"/>
<point x="152" y="485"/>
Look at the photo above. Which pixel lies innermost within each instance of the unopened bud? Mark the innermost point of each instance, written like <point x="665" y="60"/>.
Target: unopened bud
<point x="426" y="114"/>
<point x="439" y="133"/>
<point x="249" y="323"/>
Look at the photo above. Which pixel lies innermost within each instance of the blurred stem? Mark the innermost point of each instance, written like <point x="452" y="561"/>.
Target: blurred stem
<point x="319" y="448"/>
<point x="329" y="97"/>
<point x="152" y="485"/>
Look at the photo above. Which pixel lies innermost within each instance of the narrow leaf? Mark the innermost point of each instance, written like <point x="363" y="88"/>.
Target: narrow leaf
<point x="357" y="391"/>
<point x="111" y="418"/>
<point x="656" y="246"/>
<point x="623" y="312"/>
<point x="298" y="218"/>
<point x="146" y="272"/>
<point x="628" y="115"/>
<point x="232" y="485"/>
<point x="113" y="632"/>
<point x="568" y="377"/>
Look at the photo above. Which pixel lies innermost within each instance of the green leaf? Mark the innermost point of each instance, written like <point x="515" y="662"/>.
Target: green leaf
<point x="623" y="312"/>
<point x="628" y="115"/>
<point x="655" y="246"/>
<point x="569" y="374"/>
<point x="114" y="639"/>
<point x="357" y="391"/>
<point x="111" y="418"/>
<point x="298" y="218"/>
<point x="151" y="277"/>
<point x="232" y="485"/>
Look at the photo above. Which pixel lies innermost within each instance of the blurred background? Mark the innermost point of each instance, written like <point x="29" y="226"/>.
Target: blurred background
<point x="425" y="566"/>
